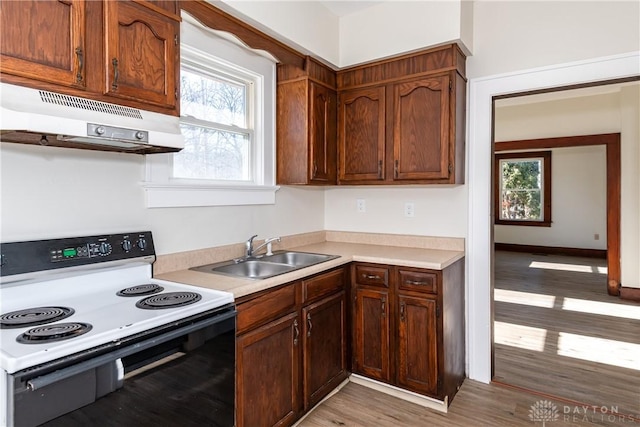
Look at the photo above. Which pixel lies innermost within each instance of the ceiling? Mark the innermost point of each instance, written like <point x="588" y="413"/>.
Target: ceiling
<point x="346" y="7"/>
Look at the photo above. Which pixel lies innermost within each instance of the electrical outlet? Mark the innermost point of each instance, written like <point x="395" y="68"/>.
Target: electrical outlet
<point x="596" y="236"/>
<point x="361" y="206"/>
<point x="409" y="209"/>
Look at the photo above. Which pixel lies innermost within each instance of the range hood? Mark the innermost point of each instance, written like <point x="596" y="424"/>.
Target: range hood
<point x="33" y="116"/>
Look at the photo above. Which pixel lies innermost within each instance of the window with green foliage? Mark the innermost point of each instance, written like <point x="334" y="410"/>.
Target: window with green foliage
<point x="523" y="188"/>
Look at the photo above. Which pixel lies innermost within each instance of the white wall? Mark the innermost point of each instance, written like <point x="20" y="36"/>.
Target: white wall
<point x="520" y="35"/>
<point x="398" y="26"/>
<point x="436" y="212"/>
<point x="305" y="25"/>
<point x="579" y="203"/>
<point x="53" y="192"/>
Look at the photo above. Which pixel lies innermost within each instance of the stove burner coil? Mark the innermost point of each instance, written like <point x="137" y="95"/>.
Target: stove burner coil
<point x="168" y="300"/>
<point x="34" y="317"/>
<point x="51" y="333"/>
<point x="136" y="291"/>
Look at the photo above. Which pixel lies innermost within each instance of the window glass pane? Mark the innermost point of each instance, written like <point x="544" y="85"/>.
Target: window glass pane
<point x="521" y="184"/>
<point x="211" y="99"/>
<point x="213" y="154"/>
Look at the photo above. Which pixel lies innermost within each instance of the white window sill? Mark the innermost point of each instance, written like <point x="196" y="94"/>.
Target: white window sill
<point x="175" y="196"/>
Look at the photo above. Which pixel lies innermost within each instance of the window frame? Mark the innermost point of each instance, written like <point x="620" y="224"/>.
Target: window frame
<point x="546" y="187"/>
<point x="162" y="190"/>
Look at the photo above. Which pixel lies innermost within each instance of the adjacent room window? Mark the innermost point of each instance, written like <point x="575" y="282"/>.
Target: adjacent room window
<point x="227" y="117"/>
<point x="523" y="188"/>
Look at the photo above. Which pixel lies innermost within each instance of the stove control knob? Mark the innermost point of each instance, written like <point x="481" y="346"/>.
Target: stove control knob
<point x="142" y="243"/>
<point x="104" y="248"/>
<point x="126" y="245"/>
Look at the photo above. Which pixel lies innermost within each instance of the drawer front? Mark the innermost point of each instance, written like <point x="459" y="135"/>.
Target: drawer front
<point x="323" y="285"/>
<point x="265" y="308"/>
<point x="370" y="275"/>
<point x="419" y="281"/>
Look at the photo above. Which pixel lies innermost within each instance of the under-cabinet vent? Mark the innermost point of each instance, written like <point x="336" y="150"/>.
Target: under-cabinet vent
<point x="89" y="104"/>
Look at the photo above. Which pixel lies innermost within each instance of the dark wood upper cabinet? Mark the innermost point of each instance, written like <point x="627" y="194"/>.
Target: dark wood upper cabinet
<point x="306" y="124"/>
<point x="361" y="136"/>
<point x="123" y="52"/>
<point x="421" y="129"/>
<point x="44" y="40"/>
<point x="141" y="48"/>
<point x="402" y="120"/>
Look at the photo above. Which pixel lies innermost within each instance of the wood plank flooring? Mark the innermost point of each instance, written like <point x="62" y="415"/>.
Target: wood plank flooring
<point x="543" y="310"/>
<point x="557" y="331"/>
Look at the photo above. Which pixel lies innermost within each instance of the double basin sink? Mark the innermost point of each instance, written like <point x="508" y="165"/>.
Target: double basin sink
<point x="266" y="266"/>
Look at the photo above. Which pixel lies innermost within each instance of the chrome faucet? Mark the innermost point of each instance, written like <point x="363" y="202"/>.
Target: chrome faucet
<point x="251" y="250"/>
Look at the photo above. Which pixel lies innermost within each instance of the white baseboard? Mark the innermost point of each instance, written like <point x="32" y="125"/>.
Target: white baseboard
<point x="409" y="396"/>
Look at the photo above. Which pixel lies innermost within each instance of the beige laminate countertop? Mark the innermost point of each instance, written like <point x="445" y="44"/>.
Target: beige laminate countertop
<point x="407" y="257"/>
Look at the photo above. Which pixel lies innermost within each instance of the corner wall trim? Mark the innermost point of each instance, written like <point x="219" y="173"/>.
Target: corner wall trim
<point x="552" y="250"/>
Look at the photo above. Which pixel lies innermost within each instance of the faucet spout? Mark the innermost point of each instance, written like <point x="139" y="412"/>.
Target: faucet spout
<point x="268" y="242"/>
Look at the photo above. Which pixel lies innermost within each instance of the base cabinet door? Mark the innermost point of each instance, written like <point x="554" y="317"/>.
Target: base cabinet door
<point x="371" y="333"/>
<point x="267" y="379"/>
<point x="324" y="354"/>
<point x="417" y="344"/>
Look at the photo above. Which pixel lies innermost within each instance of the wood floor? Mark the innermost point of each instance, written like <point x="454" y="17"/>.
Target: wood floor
<point x="557" y="331"/>
<point x="561" y="319"/>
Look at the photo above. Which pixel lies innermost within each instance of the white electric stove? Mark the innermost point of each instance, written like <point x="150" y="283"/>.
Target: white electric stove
<point x="66" y="304"/>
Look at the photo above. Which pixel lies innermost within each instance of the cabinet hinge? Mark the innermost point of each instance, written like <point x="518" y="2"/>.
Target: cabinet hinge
<point x="450" y="168"/>
<point x="450" y="85"/>
<point x="437" y="311"/>
<point x="176" y="93"/>
<point x="175" y="42"/>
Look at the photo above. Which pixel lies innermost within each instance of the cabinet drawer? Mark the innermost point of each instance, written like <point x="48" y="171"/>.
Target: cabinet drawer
<point x="370" y="275"/>
<point x="323" y="285"/>
<point x="420" y="281"/>
<point x="265" y="308"/>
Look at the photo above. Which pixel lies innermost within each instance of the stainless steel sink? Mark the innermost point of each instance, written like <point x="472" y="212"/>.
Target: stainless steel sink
<point x="265" y="266"/>
<point x="303" y="259"/>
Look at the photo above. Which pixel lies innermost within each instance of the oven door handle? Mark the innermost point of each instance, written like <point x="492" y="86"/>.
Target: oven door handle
<point x="61" y="374"/>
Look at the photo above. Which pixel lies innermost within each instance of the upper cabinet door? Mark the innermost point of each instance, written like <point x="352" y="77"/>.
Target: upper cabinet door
<point x="361" y="136"/>
<point x="322" y="134"/>
<point x="44" y="40"/>
<point x="141" y="48"/>
<point x="421" y="129"/>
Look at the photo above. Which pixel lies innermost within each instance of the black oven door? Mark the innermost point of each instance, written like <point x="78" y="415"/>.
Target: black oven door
<point x="181" y="377"/>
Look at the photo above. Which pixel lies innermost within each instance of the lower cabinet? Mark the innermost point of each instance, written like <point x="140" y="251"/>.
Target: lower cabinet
<point x="268" y="384"/>
<point x="408" y="327"/>
<point x="371" y="334"/>
<point x="291" y="349"/>
<point x="324" y="349"/>
<point x="418" y="344"/>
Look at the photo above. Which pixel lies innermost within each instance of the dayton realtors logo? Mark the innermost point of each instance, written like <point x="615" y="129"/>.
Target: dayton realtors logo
<point x="545" y="411"/>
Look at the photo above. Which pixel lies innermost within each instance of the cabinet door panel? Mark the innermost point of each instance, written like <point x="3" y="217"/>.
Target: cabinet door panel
<point x="418" y="345"/>
<point x="268" y="361"/>
<point x="421" y="130"/>
<point x="44" y="40"/>
<point x="371" y="329"/>
<point x="324" y="337"/>
<point x="141" y="54"/>
<point x="322" y="133"/>
<point x="362" y="134"/>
